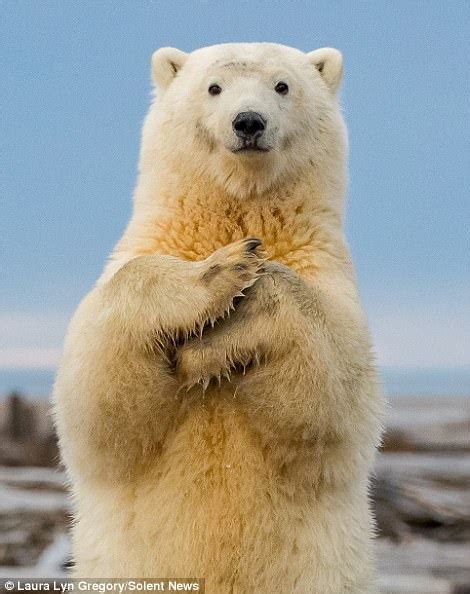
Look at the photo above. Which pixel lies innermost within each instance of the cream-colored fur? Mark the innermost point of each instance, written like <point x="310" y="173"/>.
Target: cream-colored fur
<point x="208" y="434"/>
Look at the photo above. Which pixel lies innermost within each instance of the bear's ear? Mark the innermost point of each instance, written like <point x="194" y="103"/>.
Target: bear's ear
<point x="329" y="63"/>
<point x="166" y="62"/>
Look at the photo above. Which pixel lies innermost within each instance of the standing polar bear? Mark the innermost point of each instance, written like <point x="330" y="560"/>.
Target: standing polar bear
<point x="217" y="402"/>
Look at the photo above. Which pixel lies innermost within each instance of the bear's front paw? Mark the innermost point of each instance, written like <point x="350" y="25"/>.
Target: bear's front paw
<point x="198" y="363"/>
<point x="230" y="270"/>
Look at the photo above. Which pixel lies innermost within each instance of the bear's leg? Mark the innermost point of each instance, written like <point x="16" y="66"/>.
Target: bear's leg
<point x="115" y="390"/>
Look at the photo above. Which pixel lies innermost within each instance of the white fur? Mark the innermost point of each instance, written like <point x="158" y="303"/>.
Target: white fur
<point x="260" y="483"/>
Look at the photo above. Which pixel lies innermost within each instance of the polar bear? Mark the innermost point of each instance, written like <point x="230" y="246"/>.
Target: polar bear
<point x="217" y="403"/>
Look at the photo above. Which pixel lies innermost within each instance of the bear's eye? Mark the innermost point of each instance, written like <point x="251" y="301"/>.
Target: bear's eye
<point x="282" y="88"/>
<point x="215" y="90"/>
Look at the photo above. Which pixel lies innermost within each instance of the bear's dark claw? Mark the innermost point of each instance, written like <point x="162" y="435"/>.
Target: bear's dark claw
<point x="252" y="243"/>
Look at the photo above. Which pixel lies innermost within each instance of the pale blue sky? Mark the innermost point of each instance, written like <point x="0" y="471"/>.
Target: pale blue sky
<point x="76" y="86"/>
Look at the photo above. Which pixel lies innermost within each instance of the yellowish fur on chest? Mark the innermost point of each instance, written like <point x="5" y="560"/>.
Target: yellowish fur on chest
<point x="194" y="225"/>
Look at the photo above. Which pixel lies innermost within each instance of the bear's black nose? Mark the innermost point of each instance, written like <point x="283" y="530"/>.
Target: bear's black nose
<point x="249" y="125"/>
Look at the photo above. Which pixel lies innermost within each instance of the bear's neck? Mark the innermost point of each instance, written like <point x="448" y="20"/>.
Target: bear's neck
<point x="296" y="222"/>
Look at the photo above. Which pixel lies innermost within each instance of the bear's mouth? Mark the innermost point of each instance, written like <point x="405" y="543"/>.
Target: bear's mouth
<point x="251" y="147"/>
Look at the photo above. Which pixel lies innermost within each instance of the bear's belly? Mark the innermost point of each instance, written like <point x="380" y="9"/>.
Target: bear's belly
<point x="209" y="501"/>
<point x="212" y="506"/>
<point x="207" y="506"/>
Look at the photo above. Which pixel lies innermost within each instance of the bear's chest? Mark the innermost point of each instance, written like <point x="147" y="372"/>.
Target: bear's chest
<point x="193" y="233"/>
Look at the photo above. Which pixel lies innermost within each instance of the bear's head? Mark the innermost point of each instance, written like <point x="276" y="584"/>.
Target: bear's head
<point x="245" y="116"/>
